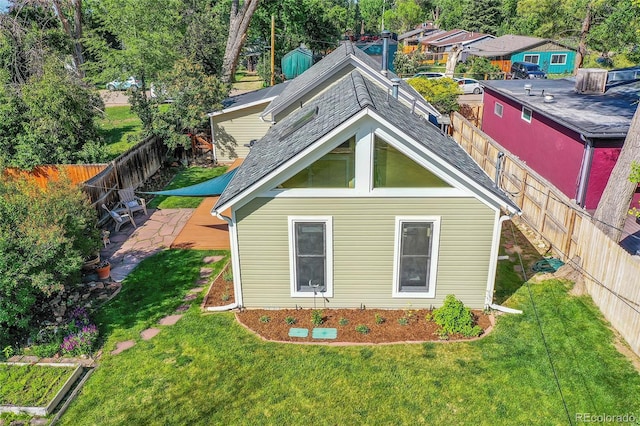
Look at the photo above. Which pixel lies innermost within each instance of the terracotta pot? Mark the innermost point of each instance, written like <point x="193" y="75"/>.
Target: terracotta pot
<point x="91" y="263"/>
<point x="104" y="272"/>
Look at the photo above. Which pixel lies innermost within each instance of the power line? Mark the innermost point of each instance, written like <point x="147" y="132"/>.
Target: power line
<point x="544" y="340"/>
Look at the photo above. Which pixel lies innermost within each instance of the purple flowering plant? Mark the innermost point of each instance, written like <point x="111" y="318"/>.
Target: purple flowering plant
<point x="82" y="335"/>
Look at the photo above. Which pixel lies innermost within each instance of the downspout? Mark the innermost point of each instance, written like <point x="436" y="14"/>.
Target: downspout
<point x="235" y="265"/>
<point x="493" y="266"/>
<point x="213" y="139"/>
<point x="585" y="171"/>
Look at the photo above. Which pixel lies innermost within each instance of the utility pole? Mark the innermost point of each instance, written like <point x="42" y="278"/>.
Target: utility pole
<point x="273" y="50"/>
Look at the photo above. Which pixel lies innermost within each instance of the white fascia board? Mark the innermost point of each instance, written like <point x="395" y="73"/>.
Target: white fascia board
<point x="434" y="163"/>
<point x="240" y="107"/>
<point x="269" y="181"/>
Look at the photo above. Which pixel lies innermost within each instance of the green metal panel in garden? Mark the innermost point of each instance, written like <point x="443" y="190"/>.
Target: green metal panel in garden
<point x="363" y="249"/>
<point x="296" y="62"/>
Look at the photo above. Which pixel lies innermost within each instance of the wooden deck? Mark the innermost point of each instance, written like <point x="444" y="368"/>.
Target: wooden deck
<point x="204" y="231"/>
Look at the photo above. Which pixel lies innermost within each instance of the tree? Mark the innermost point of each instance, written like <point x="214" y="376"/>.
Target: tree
<point x="479" y="68"/>
<point x="614" y="205"/>
<point x="484" y="16"/>
<point x="372" y="11"/>
<point x="239" y="20"/>
<point x="450" y="13"/>
<point x="193" y="95"/>
<point x="73" y="31"/>
<point x="45" y="233"/>
<point x="404" y="16"/>
<point x="50" y="119"/>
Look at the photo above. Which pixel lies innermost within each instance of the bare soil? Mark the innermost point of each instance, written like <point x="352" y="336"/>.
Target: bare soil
<point x="221" y="291"/>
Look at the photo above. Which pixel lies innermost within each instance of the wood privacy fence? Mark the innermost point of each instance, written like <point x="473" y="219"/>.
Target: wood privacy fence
<point x="77" y="173"/>
<point x="612" y="275"/>
<point x="129" y="170"/>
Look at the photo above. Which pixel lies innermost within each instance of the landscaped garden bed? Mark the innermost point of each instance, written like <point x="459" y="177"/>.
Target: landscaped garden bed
<point x="220" y="292"/>
<point x="353" y="325"/>
<point x="35" y="389"/>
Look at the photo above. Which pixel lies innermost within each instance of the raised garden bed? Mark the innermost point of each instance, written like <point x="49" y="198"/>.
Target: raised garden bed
<point x="35" y="389"/>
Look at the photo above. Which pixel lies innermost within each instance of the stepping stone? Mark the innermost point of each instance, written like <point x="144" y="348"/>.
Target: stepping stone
<point x="203" y="281"/>
<point x="205" y="272"/>
<point x="170" y="320"/>
<point x="212" y="259"/>
<point x="149" y="333"/>
<point x="298" y="332"/>
<point x="324" y="333"/>
<point x="196" y="290"/>
<point x="30" y="359"/>
<point x="190" y="297"/>
<point x="123" y="346"/>
<point x="183" y="308"/>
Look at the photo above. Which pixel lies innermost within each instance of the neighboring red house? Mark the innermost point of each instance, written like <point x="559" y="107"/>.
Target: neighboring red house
<point x="571" y="139"/>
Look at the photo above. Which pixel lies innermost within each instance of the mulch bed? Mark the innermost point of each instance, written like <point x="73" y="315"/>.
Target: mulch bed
<point x="221" y="291"/>
<point x="389" y="331"/>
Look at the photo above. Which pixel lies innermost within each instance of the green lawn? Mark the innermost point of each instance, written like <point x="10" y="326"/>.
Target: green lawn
<point x="117" y="124"/>
<point x="186" y="177"/>
<point x="207" y="369"/>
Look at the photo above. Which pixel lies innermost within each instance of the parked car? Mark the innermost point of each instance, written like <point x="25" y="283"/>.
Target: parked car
<point x="527" y="70"/>
<point x="131" y="83"/>
<point x="469" y="85"/>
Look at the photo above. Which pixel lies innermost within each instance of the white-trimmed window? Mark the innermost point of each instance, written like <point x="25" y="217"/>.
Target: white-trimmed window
<point x="531" y="58"/>
<point x="311" y="256"/>
<point x="416" y="256"/>
<point x="497" y="109"/>
<point x="559" y="59"/>
<point x="526" y="114"/>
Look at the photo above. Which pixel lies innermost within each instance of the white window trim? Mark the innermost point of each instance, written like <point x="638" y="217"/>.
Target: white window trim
<point x="328" y="220"/>
<point x="531" y="55"/>
<point x="497" y="106"/>
<point x="564" y="59"/>
<point x="435" y="248"/>
<point x="522" y="115"/>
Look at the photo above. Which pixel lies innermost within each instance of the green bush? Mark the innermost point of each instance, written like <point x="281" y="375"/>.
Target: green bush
<point x="442" y="93"/>
<point x="455" y="318"/>
<point x="290" y="320"/>
<point x="362" y="329"/>
<point x="265" y="319"/>
<point x="44" y="236"/>
<point x="316" y="317"/>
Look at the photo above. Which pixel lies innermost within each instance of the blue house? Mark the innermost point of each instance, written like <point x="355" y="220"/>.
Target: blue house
<point x="553" y="57"/>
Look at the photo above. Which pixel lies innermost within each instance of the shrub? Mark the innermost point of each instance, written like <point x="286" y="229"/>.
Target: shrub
<point x="265" y="319"/>
<point x="455" y="318"/>
<point x="362" y="329"/>
<point x="80" y="342"/>
<point x="379" y="319"/>
<point x="442" y="93"/>
<point x="228" y="275"/>
<point x="290" y="320"/>
<point x="46" y="350"/>
<point x="316" y="317"/>
<point x="44" y="236"/>
<point x="343" y="321"/>
<point x="403" y="321"/>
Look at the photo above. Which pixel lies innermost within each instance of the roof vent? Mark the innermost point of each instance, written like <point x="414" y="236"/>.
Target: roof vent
<point x="395" y="83"/>
<point x="527" y="89"/>
<point x="385" y="51"/>
<point x="548" y="99"/>
<point x="591" y="80"/>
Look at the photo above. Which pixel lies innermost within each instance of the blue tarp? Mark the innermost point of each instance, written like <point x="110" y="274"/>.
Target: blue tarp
<point x="210" y="188"/>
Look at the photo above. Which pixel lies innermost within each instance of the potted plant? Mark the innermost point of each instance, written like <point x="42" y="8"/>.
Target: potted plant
<point x="103" y="269"/>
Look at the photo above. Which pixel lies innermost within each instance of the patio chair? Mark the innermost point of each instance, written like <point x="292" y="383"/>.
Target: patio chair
<point x="131" y="202"/>
<point x="120" y="217"/>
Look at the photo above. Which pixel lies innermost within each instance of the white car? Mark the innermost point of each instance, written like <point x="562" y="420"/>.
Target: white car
<point x="469" y="85"/>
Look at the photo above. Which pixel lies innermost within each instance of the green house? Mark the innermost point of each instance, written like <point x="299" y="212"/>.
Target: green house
<point x="354" y="199"/>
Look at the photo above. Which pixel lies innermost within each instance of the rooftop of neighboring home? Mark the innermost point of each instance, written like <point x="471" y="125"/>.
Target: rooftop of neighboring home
<point x="509" y="44"/>
<point x="441" y="36"/>
<point x="426" y="28"/>
<point x="606" y="115"/>
<point x="255" y="97"/>
<point x="461" y="38"/>
<point x="349" y="96"/>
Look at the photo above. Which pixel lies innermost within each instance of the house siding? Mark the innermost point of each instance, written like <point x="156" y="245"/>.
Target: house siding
<point x="544" y="52"/>
<point x="235" y="129"/>
<point x="549" y="149"/>
<point x="363" y="249"/>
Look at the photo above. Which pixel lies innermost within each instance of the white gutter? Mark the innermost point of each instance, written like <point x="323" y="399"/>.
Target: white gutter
<point x="493" y="260"/>
<point x="235" y="261"/>
<point x="505" y="309"/>
<point x="213" y="140"/>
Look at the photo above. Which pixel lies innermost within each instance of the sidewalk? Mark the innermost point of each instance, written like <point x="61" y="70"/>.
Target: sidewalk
<point x="154" y="233"/>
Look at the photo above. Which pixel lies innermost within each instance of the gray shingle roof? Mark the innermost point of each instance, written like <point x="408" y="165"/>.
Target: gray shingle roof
<point x="597" y="116"/>
<point x="254" y="96"/>
<point x="324" y="69"/>
<point x="506" y="45"/>
<point x="350" y="95"/>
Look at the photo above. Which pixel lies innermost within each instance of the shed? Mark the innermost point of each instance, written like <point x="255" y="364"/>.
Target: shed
<point x="296" y="62"/>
